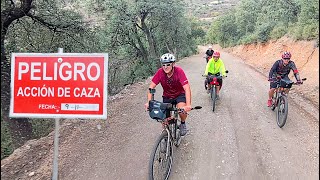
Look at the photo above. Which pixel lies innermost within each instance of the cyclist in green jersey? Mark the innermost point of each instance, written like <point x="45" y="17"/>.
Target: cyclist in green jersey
<point x="216" y="67"/>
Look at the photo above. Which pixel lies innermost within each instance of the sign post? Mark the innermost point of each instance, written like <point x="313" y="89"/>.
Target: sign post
<point x="56" y="143"/>
<point x="59" y="85"/>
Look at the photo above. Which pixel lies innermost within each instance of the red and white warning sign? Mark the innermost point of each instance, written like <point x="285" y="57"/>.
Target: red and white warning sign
<point x="65" y="85"/>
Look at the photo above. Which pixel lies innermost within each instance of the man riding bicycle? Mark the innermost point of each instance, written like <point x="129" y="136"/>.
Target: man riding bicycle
<point x="175" y="86"/>
<point x="216" y="67"/>
<point x="209" y="53"/>
<point x="280" y="70"/>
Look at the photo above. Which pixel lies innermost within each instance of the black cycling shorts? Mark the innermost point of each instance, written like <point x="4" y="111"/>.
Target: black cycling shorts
<point x="180" y="98"/>
<point x="274" y="84"/>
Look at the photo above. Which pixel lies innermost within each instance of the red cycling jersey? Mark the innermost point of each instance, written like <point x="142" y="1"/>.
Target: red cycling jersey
<point x="173" y="86"/>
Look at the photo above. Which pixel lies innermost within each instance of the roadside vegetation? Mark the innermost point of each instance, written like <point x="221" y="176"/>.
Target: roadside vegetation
<point x="255" y="21"/>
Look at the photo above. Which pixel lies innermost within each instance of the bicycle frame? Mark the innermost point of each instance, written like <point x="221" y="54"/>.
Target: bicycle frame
<point x="170" y="125"/>
<point x="279" y="91"/>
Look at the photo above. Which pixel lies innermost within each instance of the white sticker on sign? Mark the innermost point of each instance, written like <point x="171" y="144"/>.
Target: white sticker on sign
<point x="79" y="107"/>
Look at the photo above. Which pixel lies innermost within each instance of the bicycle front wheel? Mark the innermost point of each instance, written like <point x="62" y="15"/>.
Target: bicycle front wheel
<point x="213" y="97"/>
<point x="160" y="163"/>
<point x="282" y="111"/>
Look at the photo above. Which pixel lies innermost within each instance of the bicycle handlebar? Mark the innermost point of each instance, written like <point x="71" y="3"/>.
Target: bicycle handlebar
<point x="203" y="75"/>
<point x="278" y="80"/>
<point x="182" y="110"/>
<point x="170" y="106"/>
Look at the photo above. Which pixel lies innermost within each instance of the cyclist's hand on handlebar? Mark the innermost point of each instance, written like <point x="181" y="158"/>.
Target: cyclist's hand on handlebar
<point x="187" y="108"/>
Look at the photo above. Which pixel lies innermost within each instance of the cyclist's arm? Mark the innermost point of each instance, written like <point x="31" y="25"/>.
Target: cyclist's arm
<point x="273" y="69"/>
<point x="152" y="86"/>
<point x="187" y="90"/>
<point x="295" y="71"/>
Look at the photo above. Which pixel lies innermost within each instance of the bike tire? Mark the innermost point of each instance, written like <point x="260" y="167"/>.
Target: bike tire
<point x="213" y="97"/>
<point x="159" y="159"/>
<point x="177" y="135"/>
<point x="282" y="111"/>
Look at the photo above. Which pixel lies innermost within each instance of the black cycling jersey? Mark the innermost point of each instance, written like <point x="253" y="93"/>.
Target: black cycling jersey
<point x="209" y="52"/>
<point x="279" y="68"/>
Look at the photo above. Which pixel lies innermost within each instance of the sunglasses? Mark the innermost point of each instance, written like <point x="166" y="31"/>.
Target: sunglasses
<point x="286" y="59"/>
<point x="165" y="65"/>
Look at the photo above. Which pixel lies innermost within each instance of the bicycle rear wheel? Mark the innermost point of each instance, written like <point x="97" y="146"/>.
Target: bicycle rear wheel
<point x="213" y="97"/>
<point x="160" y="163"/>
<point x="282" y="111"/>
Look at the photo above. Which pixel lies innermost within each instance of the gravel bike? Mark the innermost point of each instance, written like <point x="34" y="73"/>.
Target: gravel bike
<point x="280" y="100"/>
<point x="212" y="79"/>
<point x="161" y="160"/>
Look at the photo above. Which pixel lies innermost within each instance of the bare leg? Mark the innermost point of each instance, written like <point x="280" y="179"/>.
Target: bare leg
<point x="183" y="116"/>
<point x="271" y="91"/>
<point x="218" y="89"/>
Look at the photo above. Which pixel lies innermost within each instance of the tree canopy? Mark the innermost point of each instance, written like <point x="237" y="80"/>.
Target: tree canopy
<point x="259" y="21"/>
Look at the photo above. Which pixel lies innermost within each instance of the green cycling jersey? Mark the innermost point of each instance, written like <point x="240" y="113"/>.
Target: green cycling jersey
<point x="215" y="67"/>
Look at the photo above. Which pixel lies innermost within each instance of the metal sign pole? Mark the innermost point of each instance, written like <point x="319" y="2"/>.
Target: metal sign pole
<point x="56" y="150"/>
<point x="56" y="142"/>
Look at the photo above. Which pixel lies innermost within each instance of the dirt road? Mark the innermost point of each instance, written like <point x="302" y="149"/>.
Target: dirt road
<point x="240" y="140"/>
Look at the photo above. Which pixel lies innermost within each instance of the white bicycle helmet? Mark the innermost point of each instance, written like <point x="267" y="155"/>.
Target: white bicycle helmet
<point x="167" y="58"/>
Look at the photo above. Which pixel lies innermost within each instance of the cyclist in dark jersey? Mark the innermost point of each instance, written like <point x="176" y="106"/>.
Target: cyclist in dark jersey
<point x="280" y="70"/>
<point x="175" y="87"/>
<point x="209" y="53"/>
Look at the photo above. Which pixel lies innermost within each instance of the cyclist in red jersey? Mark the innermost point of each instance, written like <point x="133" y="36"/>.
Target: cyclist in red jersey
<point x="175" y="87"/>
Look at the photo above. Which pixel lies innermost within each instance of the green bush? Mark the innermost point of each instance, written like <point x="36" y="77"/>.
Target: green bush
<point x="278" y="32"/>
<point x="6" y="142"/>
<point x="310" y="31"/>
<point x="41" y="127"/>
<point x="263" y="32"/>
<point x="248" y="39"/>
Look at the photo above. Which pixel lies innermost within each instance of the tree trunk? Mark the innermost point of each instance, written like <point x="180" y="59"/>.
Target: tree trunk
<point x="20" y="129"/>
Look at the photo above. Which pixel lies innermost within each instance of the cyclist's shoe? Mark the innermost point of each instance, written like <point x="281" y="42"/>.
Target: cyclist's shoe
<point x="208" y="91"/>
<point x="217" y="97"/>
<point x="163" y="145"/>
<point x="269" y="102"/>
<point x="183" y="129"/>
